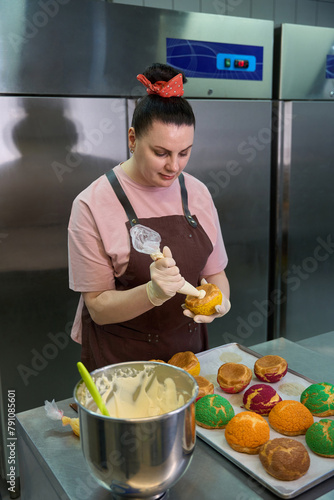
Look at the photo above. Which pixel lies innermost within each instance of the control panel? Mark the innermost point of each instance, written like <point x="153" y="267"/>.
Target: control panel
<point x="201" y="59"/>
<point x="330" y="66"/>
<point x="232" y="62"/>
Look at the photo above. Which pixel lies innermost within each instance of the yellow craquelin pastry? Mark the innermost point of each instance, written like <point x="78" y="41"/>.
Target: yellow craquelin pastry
<point x="207" y="304"/>
<point x="186" y="360"/>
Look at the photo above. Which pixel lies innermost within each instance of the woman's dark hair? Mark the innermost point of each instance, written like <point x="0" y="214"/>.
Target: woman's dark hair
<point x="176" y="110"/>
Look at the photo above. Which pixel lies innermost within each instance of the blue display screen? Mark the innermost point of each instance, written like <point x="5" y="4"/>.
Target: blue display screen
<point x="198" y="59"/>
<point x="330" y="66"/>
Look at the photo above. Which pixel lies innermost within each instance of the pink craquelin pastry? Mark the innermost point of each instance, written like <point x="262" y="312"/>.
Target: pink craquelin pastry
<point x="260" y="398"/>
<point x="270" y="368"/>
<point x="234" y="377"/>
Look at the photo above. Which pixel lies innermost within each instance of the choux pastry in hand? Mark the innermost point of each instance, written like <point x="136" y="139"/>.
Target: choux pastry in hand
<point x="206" y="306"/>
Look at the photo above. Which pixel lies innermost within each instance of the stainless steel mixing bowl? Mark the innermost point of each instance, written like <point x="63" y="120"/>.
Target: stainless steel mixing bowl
<point x="140" y="457"/>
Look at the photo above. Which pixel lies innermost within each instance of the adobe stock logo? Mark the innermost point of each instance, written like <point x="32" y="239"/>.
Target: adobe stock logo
<point x="226" y="6"/>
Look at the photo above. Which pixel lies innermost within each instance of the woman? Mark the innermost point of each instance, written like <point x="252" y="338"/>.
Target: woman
<point x="129" y="307"/>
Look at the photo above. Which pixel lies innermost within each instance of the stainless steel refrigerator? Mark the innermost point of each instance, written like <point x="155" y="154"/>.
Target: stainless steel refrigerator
<point x="67" y="92"/>
<point x="302" y="284"/>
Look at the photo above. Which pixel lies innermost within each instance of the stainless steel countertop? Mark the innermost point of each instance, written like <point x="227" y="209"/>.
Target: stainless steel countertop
<point x="323" y="344"/>
<point x="311" y="361"/>
<point x="52" y="465"/>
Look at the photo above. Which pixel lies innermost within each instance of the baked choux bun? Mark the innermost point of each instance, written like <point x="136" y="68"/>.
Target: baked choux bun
<point x="285" y="458"/>
<point x="261" y="399"/>
<point x="158" y="360"/>
<point x="319" y="399"/>
<point x="320" y="438"/>
<point x="234" y="377"/>
<point x="186" y="360"/>
<point x="247" y="432"/>
<point x="291" y="418"/>
<point x="206" y="306"/>
<point x="213" y="411"/>
<point x="270" y="368"/>
<point x="205" y="387"/>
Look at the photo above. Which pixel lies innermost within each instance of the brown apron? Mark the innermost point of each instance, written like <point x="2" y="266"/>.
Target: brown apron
<point x="164" y="330"/>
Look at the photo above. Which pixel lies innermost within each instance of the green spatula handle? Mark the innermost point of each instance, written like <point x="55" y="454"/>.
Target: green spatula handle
<point x="92" y="388"/>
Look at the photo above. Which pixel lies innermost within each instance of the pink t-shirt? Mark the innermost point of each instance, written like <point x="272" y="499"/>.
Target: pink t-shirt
<point x="99" y="243"/>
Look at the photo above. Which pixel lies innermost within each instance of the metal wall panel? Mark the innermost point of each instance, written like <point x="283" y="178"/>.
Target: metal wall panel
<point x="304" y="178"/>
<point x="51" y="53"/>
<point x="50" y="150"/>
<point x="306" y="232"/>
<point x="231" y="155"/>
<point x="301" y="62"/>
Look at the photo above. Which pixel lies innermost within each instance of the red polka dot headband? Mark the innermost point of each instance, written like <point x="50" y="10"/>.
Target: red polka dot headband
<point x="173" y="88"/>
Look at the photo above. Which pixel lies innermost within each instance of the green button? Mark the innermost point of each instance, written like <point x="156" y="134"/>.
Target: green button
<point x="227" y="63"/>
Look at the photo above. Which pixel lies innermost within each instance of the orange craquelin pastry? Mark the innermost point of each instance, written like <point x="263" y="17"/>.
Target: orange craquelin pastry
<point x="207" y="304"/>
<point x="186" y="360"/>
<point x="290" y="418"/>
<point x="247" y="432"/>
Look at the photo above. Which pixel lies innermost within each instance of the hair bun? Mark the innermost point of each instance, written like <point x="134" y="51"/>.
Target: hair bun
<point x="159" y="72"/>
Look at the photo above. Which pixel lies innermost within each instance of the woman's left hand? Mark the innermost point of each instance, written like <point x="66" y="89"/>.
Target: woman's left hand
<point x="221" y="310"/>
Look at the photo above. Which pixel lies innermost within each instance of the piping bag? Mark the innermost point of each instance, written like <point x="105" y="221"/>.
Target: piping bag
<point x="146" y="240"/>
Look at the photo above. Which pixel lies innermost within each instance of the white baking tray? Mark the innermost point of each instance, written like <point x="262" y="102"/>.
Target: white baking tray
<point x="290" y="387"/>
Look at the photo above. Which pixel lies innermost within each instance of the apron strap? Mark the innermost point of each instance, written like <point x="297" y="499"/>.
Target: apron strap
<point x="115" y="184"/>
<point x="184" y="196"/>
<point x="133" y="219"/>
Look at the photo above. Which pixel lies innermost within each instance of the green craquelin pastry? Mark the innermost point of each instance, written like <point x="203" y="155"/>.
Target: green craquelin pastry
<point x="213" y="412"/>
<point x="320" y="438"/>
<point x="319" y="399"/>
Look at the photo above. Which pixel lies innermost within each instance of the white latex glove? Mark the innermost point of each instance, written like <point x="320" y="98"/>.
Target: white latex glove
<point x="221" y="309"/>
<point x="166" y="279"/>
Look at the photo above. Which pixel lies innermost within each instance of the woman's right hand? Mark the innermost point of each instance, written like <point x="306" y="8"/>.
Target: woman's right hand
<point x="166" y="279"/>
